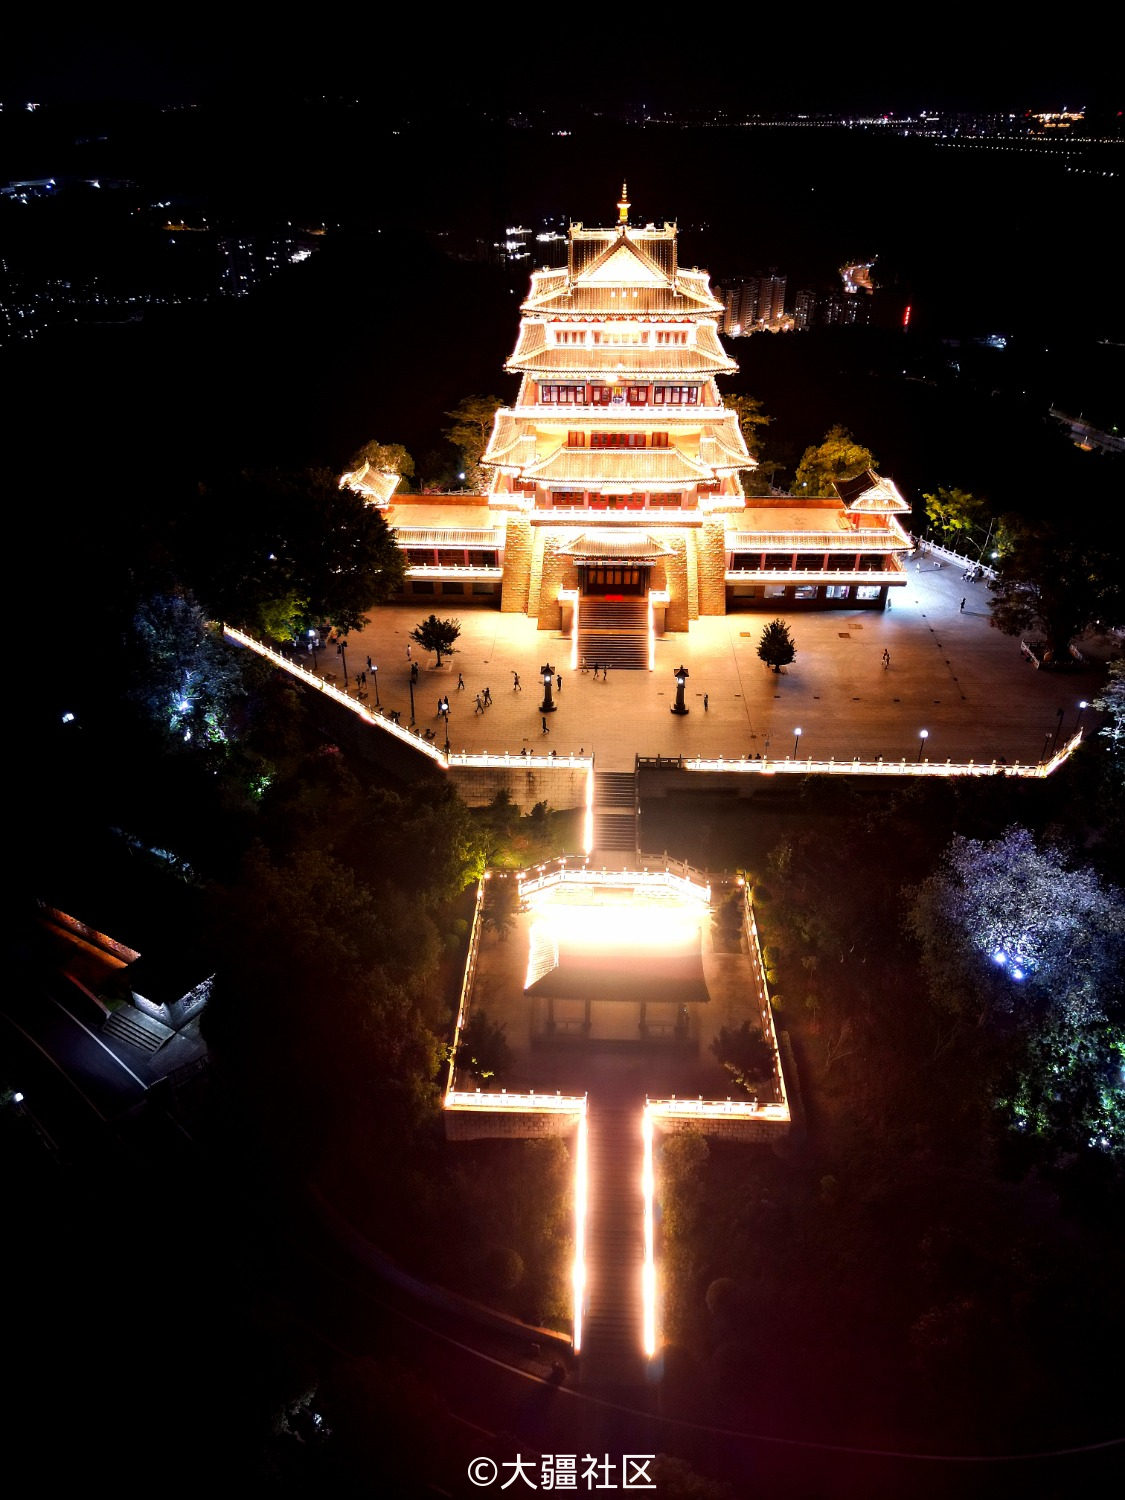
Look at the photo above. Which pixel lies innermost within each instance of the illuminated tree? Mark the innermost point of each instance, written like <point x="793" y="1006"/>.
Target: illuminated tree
<point x="472" y="423"/>
<point x="1112" y="703"/>
<point x="839" y="456"/>
<point x="751" y="419"/>
<point x="184" y="674"/>
<point x="776" y="647"/>
<point x="1050" y="579"/>
<point x="387" y="458"/>
<point x="436" y="635"/>
<point x="955" y="513"/>
<point x="1009" y="928"/>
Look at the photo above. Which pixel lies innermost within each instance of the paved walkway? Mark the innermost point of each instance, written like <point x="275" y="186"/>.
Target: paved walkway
<point x="950" y="673"/>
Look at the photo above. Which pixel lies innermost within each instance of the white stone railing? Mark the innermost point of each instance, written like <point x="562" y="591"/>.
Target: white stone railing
<point x="376" y="717"/>
<point x="880" y="767"/>
<point x="557" y="874"/>
<point x="501" y="1101"/>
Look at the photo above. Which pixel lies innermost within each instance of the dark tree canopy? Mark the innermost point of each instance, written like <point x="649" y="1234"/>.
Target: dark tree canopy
<point x="283" y="549"/>
<point x="1054" y="579"/>
<point x="745" y="1054"/>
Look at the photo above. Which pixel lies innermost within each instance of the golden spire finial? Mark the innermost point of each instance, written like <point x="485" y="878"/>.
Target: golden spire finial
<point x="623" y="205"/>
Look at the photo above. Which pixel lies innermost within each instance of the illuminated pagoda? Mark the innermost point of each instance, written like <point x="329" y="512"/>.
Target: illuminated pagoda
<point x="615" y="509"/>
<point x="618" y="465"/>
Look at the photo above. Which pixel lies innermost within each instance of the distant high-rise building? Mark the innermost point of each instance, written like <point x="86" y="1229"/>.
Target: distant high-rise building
<point x="804" y="310"/>
<point x="771" y="299"/>
<point x="755" y="303"/>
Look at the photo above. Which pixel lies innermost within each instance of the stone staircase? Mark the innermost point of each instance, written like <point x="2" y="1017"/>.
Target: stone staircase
<point x="612" y="1349"/>
<point x="132" y="1026"/>
<point x="615" y="811"/>
<point x="614" y="633"/>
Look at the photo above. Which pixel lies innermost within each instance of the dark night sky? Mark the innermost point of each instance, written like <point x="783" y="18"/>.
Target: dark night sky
<point x="862" y="58"/>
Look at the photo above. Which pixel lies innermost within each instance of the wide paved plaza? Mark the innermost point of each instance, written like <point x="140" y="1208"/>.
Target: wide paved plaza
<point x="950" y="674"/>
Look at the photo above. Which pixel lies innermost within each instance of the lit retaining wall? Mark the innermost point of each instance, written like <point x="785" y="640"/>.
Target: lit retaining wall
<point x="468" y="1122"/>
<point x="562" y="785"/>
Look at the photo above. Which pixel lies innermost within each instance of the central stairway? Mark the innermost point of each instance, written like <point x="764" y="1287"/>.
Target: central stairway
<point x="615" y="810"/>
<point x="613" y="633"/>
<point x="612" y="1353"/>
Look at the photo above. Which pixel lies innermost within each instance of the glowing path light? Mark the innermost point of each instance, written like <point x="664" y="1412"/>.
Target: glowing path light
<point x="578" y="1274"/>
<point x="588" y="820"/>
<point x="648" y="1272"/>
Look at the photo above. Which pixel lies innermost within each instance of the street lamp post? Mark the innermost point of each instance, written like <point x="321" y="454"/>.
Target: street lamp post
<point x="923" y="736"/>
<point x="1058" y="730"/>
<point x="375" y="680"/>
<point x="342" y="653"/>
<point x="1082" y="707"/>
<point x="547" y="673"/>
<point x="681" y="675"/>
<point x="445" y="716"/>
<point x="312" y="648"/>
<point x="411" y="684"/>
<point x="796" y="741"/>
<point x="1046" y="746"/>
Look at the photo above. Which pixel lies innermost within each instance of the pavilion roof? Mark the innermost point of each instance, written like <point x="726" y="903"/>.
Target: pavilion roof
<point x="619" y="543"/>
<point x="605" y="364"/>
<point x="623" y="266"/>
<point x="870" y="492"/>
<point x="512" y="441"/>
<point x="721" y="444"/>
<point x="375" y="485"/>
<point x="626" y="468"/>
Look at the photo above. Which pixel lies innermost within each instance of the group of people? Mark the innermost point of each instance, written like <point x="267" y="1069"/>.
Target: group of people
<point x="484" y="700"/>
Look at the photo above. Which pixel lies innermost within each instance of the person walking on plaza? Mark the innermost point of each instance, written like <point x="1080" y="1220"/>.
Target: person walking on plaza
<point x="543" y="721"/>
<point x="488" y="698"/>
<point x="370" y="665"/>
<point x="597" y="669"/>
<point x="585" y="668"/>
<point x="516" y="683"/>
<point x="962" y="608"/>
<point x="460" y="682"/>
<point x="706" y="700"/>
<point x="414" y="671"/>
<point x="480" y="706"/>
<point x="605" y="674"/>
<point x="408" y="650"/>
<point x="558" y="679"/>
<point x="886" y="658"/>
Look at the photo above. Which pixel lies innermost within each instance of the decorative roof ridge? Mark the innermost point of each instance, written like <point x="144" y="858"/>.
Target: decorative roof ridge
<point x="622" y="238"/>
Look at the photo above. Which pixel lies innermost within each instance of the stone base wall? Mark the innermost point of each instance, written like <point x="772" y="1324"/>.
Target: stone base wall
<point x="728" y="1130"/>
<point x="712" y="561"/>
<point x="535" y="572"/>
<point x="680" y="581"/>
<point x="477" y="1125"/>
<point x="517" y="566"/>
<point x="562" y="788"/>
<point x="557" y="572"/>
